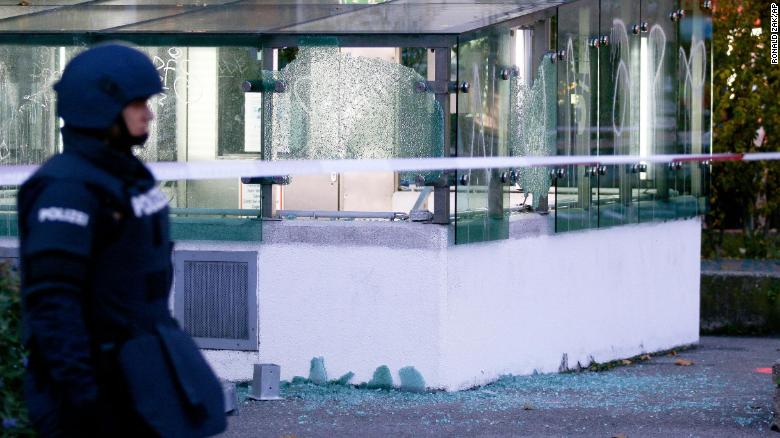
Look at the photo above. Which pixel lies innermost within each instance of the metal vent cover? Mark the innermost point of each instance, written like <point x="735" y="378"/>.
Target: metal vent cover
<point x="215" y="298"/>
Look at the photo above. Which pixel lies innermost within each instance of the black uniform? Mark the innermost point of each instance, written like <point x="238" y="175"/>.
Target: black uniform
<point x="106" y="357"/>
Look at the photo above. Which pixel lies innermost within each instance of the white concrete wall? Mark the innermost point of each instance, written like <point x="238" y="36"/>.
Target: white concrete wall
<point x="358" y="307"/>
<point x="366" y="294"/>
<point x="359" y="294"/>
<point x="516" y="306"/>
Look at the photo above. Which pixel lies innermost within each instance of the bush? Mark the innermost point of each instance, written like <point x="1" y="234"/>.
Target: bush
<point x="13" y="357"/>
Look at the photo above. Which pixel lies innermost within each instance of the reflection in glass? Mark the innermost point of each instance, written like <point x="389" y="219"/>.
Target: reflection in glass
<point x="578" y="28"/>
<point x="619" y="103"/>
<point x="483" y="115"/>
<point x="695" y="71"/>
<point x="658" y="109"/>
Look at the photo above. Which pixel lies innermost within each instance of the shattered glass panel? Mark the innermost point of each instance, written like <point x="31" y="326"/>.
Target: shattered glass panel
<point x="161" y="145"/>
<point x="28" y="120"/>
<point x="532" y="129"/>
<point x="29" y="129"/>
<point x="337" y="106"/>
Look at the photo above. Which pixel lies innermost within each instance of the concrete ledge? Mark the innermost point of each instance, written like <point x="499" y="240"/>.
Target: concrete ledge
<point x="740" y="302"/>
<point x="384" y="234"/>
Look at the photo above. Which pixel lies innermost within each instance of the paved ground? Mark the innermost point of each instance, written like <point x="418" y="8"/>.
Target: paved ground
<point x="722" y="394"/>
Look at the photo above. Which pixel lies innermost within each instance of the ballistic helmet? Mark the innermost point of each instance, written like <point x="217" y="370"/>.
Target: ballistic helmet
<point x="98" y="83"/>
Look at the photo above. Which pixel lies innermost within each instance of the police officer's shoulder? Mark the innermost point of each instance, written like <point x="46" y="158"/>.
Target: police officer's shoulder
<point x="71" y="171"/>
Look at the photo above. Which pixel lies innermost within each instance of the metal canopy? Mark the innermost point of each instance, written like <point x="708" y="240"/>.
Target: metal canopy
<point x="241" y="21"/>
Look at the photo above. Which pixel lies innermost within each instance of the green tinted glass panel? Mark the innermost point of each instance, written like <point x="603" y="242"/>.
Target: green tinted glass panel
<point x="223" y="209"/>
<point x="619" y="80"/>
<point x="695" y="94"/>
<point x="482" y="195"/>
<point x="575" y="201"/>
<point x="658" y="88"/>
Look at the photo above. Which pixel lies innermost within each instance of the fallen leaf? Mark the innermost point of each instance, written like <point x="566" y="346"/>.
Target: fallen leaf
<point x="645" y="357"/>
<point x="672" y="353"/>
<point x="683" y="362"/>
<point x="625" y="362"/>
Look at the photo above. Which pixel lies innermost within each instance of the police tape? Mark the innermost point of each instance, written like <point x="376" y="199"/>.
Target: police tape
<point x="227" y="169"/>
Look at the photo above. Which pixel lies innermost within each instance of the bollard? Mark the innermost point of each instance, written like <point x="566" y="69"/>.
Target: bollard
<point x="231" y="397"/>
<point x="265" y="382"/>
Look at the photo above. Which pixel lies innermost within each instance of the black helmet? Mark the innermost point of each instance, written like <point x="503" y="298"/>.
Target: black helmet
<point x="98" y="83"/>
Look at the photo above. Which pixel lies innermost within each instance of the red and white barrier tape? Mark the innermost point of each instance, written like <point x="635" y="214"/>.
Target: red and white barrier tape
<point x="225" y="169"/>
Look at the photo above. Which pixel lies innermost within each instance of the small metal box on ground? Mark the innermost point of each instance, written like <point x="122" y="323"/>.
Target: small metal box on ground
<point x="231" y="397"/>
<point x="265" y="382"/>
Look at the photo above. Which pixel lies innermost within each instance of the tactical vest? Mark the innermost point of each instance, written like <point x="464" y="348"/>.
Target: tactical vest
<point x="126" y="304"/>
<point x="130" y="279"/>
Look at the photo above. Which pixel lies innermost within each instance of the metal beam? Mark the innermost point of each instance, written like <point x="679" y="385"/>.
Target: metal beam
<point x="441" y="193"/>
<point x="267" y="192"/>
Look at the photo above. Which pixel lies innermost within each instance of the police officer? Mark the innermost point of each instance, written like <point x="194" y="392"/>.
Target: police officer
<point x="106" y="357"/>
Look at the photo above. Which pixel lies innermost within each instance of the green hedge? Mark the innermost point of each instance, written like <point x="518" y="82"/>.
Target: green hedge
<point x="12" y="358"/>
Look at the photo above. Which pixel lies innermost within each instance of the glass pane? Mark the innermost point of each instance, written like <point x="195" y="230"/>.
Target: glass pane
<point x="161" y="2"/>
<point x="185" y="128"/>
<point x="695" y="94"/>
<point x="336" y="105"/>
<point x="240" y="114"/>
<point x="28" y="122"/>
<point x="658" y="89"/>
<point x="482" y="195"/>
<point x="413" y="18"/>
<point x="207" y="210"/>
<point x="15" y="11"/>
<point x="89" y="18"/>
<point x="619" y="79"/>
<point x="578" y="26"/>
<point x="241" y="17"/>
<point x="532" y="121"/>
<point x="41" y="3"/>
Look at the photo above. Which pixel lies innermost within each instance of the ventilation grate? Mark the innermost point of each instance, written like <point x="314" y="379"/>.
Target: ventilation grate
<point x="215" y="298"/>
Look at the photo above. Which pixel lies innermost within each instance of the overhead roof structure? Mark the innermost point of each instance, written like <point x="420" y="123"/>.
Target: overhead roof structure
<point x="63" y="21"/>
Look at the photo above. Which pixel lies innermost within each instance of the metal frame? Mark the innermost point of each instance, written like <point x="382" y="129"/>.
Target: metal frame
<point x="248" y="257"/>
<point x="441" y="192"/>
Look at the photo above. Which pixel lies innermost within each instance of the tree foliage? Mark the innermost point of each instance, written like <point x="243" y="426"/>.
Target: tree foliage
<point x="746" y="118"/>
